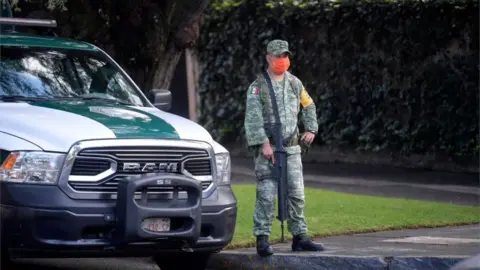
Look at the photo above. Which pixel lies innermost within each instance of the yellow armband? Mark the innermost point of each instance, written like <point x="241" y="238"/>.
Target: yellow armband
<point x="305" y="98"/>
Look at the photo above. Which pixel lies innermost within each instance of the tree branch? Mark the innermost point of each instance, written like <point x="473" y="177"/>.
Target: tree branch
<point x="188" y="29"/>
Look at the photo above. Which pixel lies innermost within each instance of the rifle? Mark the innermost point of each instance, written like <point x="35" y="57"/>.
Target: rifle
<point x="280" y="155"/>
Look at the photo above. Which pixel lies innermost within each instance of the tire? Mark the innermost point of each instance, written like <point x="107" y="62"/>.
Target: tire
<point x="5" y="260"/>
<point x="190" y="261"/>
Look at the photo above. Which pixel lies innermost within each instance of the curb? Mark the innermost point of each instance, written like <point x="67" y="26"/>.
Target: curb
<point x="236" y="260"/>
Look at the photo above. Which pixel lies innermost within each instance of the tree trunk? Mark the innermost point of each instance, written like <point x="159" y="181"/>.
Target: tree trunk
<point x="184" y="36"/>
<point x="163" y="69"/>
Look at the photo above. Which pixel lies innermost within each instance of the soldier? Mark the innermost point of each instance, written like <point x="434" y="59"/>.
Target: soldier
<point x="290" y="95"/>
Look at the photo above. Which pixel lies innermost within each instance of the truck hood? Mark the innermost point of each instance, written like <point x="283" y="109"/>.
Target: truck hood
<point x="56" y="125"/>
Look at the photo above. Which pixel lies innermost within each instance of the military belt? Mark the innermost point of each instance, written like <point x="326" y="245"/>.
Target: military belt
<point x="292" y="142"/>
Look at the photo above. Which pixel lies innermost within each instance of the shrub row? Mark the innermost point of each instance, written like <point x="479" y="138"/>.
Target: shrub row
<point x="386" y="76"/>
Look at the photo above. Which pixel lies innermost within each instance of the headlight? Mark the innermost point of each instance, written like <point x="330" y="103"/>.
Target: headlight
<point x="31" y="167"/>
<point x="223" y="168"/>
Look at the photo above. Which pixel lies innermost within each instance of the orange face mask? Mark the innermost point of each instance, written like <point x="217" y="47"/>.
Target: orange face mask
<point x="281" y="65"/>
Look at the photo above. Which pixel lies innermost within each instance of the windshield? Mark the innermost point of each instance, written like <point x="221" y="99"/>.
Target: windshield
<point x="60" y="73"/>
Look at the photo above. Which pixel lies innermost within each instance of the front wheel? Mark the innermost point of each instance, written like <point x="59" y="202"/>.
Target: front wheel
<point x="190" y="261"/>
<point x="5" y="260"/>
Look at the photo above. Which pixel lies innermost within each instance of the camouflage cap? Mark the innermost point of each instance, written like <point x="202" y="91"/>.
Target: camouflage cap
<point x="277" y="47"/>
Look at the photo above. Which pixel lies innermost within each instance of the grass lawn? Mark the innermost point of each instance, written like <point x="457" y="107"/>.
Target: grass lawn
<point x="332" y="213"/>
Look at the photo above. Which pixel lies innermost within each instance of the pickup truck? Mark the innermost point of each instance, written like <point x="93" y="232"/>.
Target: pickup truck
<point x="93" y="167"/>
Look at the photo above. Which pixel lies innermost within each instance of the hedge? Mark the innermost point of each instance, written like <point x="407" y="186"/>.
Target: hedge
<point x="386" y="76"/>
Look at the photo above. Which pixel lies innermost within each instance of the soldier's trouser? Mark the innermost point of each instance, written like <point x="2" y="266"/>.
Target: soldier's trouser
<point x="264" y="212"/>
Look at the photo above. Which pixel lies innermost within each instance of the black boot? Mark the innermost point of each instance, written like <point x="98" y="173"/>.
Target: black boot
<point x="303" y="243"/>
<point x="263" y="247"/>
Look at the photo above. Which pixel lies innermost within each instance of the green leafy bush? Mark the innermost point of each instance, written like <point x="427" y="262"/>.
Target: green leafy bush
<point x="390" y="76"/>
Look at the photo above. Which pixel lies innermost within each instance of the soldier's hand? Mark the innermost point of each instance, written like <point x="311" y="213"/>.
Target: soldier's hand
<point x="308" y="137"/>
<point x="267" y="152"/>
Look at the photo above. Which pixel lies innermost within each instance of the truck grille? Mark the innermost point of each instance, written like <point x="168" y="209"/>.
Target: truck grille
<point x="134" y="160"/>
<point x="89" y="167"/>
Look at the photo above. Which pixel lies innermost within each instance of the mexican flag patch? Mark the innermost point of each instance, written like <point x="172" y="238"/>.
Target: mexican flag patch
<point x="254" y="91"/>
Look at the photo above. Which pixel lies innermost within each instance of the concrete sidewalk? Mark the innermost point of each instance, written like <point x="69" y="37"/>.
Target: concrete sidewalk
<point x="438" y="248"/>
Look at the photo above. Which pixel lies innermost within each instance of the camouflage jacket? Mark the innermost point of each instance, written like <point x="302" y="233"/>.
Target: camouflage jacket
<point x="291" y="96"/>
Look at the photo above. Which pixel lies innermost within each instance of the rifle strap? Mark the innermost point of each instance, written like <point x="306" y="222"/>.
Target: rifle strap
<point x="273" y="99"/>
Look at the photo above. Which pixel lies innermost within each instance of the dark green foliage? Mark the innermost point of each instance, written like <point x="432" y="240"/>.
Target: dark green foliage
<point x="145" y="37"/>
<point x="386" y="76"/>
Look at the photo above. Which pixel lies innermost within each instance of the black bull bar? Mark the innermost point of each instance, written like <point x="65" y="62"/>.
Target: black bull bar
<point x="184" y="214"/>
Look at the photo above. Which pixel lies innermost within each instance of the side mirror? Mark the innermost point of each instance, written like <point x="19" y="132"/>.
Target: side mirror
<point x="162" y="99"/>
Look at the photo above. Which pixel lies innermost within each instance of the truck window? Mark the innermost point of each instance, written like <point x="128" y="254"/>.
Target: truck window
<point x="57" y="73"/>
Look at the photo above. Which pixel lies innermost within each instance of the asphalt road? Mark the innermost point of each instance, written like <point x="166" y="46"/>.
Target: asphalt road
<point x="86" y="264"/>
<point x="378" y="181"/>
<point x="455" y="188"/>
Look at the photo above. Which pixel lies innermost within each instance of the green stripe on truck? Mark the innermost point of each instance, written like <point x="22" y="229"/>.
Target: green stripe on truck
<point x="123" y="121"/>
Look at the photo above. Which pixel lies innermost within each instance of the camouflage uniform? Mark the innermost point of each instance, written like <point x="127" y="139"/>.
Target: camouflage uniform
<point x="291" y="96"/>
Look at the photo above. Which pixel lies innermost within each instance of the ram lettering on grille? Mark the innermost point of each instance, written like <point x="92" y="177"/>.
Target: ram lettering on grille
<point x="150" y="167"/>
